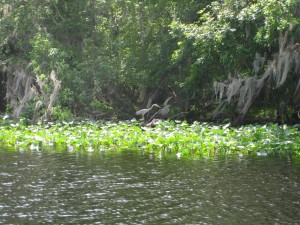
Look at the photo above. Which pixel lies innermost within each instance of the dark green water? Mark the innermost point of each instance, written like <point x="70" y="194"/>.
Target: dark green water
<point x="132" y="188"/>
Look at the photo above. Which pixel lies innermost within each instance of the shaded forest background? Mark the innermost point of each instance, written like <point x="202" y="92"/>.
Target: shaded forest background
<point x="230" y="60"/>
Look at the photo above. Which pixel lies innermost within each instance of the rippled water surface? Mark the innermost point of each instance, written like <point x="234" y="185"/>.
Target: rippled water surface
<point x="132" y="188"/>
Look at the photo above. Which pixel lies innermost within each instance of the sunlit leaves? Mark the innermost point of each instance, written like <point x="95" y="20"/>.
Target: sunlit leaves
<point x="181" y="139"/>
<point x="277" y="16"/>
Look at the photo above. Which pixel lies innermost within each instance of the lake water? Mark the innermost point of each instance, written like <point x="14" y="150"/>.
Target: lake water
<point x="136" y="188"/>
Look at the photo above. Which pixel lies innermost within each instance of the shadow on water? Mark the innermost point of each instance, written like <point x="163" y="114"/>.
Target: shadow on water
<point x="135" y="188"/>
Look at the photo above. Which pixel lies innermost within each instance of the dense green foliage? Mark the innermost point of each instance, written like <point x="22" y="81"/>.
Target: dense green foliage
<point x="115" y="57"/>
<point x="179" y="139"/>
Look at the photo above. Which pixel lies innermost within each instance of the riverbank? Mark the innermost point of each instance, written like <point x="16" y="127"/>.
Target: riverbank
<point x="178" y="138"/>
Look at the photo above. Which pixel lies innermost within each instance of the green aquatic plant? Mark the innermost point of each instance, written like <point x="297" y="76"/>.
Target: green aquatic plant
<point x="167" y="138"/>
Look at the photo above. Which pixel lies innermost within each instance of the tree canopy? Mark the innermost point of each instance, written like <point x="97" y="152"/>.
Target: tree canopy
<point x="218" y="60"/>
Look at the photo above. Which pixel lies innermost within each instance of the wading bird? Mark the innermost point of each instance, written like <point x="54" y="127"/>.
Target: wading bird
<point x="145" y="111"/>
<point x="164" y="112"/>
<point x="167" y="101"/>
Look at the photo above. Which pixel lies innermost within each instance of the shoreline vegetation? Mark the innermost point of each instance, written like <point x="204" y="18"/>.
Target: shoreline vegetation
<point x="171" y="138"/>
<point x="231" y="60"/>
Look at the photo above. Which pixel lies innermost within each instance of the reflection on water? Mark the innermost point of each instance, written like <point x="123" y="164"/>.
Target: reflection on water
<point x="132" y="188"/>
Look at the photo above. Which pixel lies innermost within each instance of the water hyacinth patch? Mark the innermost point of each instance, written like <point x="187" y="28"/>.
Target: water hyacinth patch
<point x="180" y="139"/>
